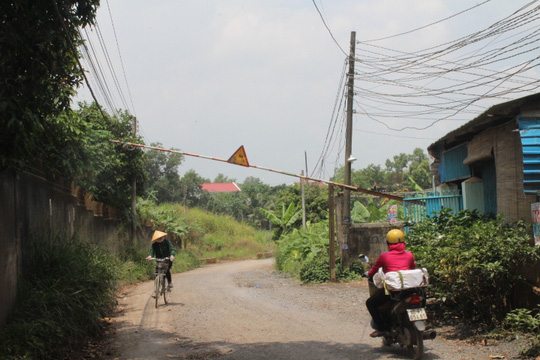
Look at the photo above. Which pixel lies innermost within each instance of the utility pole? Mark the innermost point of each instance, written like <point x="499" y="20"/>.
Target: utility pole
<point x="302" y="181"/>
<point x="346" y="219"/>
<point x="332" y="232"/>
<point x="134" y="190"/>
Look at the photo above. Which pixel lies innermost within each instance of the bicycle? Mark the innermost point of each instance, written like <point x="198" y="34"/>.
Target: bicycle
<point x="160" y="288"/>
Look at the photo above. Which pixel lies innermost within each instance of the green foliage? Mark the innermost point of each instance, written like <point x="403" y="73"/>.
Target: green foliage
<point x="408" y="172"/>
<point x="472" y="260"/>
<point x="78" y="149"/>
<point x="373" y="210"/>
<point x="107" y="170"/>
<point x="316" y="270"/>
<point x="283" y="221"/>
<point x="192" y="194"/>
<point x="132" y="266"/>
<point x="304" y="254"/>
<point x="316" y="200"/>
<point x="67" y="287"/>
<point x="255" y="194"/>
<point x="526" y="321"/>
<point x="164" y="217"/>
<point x="38" y="71"/>
<point x="300" y="245"/>
<point x="204" y="234"/>
<point x="162" y="173"/>
<point x="184" y="261"/>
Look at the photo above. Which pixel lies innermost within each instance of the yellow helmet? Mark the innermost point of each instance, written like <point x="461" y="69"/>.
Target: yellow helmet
<point x="395" y="236"/>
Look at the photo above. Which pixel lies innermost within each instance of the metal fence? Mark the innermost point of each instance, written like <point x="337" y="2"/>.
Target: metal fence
<point x="418" y="206"/>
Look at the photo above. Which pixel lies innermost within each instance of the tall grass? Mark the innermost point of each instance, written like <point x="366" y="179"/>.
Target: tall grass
<point x="67" y="287"/>
<point x="218" y="236"/>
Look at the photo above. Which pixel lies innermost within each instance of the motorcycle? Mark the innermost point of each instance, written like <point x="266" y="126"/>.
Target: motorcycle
<point x="406" y="314"/>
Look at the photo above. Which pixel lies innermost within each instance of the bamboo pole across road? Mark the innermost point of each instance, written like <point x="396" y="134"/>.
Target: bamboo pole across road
<point x="343" y="186"/>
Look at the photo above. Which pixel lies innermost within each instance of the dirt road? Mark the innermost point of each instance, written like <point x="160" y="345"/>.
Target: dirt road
<point x="246" y="310"/>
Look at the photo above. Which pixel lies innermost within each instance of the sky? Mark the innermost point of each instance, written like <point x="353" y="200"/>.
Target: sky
<point x="207" y="76"/>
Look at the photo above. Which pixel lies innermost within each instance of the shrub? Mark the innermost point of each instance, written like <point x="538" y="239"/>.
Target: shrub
<point x="472" y="260"/>
<point x="528" y="322"/>
<point x="301" y="245"/>
<point x="304" y="253"/>
<point x="524" y="320"/>
<point x="315" y="270"/>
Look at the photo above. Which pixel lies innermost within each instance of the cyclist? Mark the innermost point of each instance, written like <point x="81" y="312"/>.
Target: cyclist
<point x="162" y="248"/>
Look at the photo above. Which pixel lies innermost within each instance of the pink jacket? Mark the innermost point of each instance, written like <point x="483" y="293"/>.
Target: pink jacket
<point x="395" y="259"/>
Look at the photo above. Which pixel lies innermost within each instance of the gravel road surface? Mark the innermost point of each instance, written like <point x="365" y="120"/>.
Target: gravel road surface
<point x="247" y="310"/>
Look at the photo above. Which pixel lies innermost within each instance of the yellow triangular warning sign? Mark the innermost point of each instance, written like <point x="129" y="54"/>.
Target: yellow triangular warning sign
<point x="239" y="157"/>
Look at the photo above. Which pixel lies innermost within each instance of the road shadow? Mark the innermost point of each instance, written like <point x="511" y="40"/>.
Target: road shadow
<point x="158" y="344"/>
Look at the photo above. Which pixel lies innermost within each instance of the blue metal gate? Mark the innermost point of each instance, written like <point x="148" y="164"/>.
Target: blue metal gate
<point x="417" y="206"/>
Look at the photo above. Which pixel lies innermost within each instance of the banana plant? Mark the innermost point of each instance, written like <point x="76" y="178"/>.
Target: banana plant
<point x="284" y="221"/>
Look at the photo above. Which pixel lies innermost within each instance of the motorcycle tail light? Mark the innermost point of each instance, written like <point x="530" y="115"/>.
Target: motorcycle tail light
<point x="414" y="299"/>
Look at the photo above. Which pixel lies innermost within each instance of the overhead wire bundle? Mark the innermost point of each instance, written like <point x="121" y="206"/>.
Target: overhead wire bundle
<point x="113" y="98"/>
<point x="452" y="81"/>
<point x="403" y="89"/>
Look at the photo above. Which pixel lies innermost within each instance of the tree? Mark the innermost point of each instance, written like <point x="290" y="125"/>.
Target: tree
<point x="38" y="71"/>
<point x="316" y="199"/>
<point x="419" y="169"/>
<point x="190" y="185"/>
<point x="395" y="170"/>
<point x="367" y="178"/>
<point x="162" y="172"/>
<point x="81" y="150"/>
<point x="220" y="178"/>
<point x="255" y="195"/>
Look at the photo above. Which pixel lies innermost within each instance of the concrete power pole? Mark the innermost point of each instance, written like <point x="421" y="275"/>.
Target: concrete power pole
<point x="346" y="219"/>
<point x="302" y="182"/>
<point x="134" y="190"/>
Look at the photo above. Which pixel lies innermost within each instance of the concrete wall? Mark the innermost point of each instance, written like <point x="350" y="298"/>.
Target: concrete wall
<point x="32" y="206"/>
<point x="369" y="239"/>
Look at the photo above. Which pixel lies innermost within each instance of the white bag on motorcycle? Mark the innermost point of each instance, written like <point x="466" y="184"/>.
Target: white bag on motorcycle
<point x="400" y="280"/>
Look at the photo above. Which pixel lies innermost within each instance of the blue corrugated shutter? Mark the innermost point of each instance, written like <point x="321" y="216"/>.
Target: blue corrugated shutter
<point x="530" y="140"/>
<point x="489" y="177"/>
<point x="452" y="167"/>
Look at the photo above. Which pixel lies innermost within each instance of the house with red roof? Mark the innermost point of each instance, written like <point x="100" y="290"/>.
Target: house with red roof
<point x="220" y="187"/>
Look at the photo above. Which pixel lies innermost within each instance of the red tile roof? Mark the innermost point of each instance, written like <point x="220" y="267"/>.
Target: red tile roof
<point x="220" y="187"/>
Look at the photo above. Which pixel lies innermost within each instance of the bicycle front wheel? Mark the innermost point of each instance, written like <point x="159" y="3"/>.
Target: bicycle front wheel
<point x="157" y="288"/>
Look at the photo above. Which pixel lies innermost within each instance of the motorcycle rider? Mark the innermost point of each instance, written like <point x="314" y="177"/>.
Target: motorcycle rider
<point x="394" y="260"/>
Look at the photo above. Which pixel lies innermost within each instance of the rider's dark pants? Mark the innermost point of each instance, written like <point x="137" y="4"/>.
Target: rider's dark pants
<point x="373" y="303"/>
<point x="168" y="273"/>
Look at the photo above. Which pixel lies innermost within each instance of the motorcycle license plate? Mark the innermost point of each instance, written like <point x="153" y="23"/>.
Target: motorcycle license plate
<point x="417" y="314"/>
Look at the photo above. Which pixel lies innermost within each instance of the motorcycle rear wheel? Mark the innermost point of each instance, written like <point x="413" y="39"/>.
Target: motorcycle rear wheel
<point x="416" y="348"/>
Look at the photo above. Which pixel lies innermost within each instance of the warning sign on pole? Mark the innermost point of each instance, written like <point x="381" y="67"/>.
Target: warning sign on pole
<point x="239" y="157"/>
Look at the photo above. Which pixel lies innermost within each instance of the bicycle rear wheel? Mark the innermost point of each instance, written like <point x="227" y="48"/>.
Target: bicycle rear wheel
<point x="165" y="292"/>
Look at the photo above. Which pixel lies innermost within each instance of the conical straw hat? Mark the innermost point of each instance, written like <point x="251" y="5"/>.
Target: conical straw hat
<point x="158" y="234"/>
